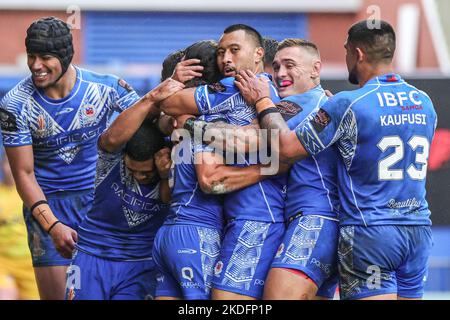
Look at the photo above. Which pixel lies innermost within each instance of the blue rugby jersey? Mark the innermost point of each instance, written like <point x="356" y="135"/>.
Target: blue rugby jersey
<point x="63" y="132"/>
<point x="125" y="215"/>
<point x="312" y="182"/>
<point x="189" y="204"/>
<point x="263" y="201"/>
<point x="383" y="132"/>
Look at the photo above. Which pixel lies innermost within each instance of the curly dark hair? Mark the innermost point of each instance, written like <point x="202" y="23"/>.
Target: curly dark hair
<point x="205" y="51"/>
<point x="170" y="63"/>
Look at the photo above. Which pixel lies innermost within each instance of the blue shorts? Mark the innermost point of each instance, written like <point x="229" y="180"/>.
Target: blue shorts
<point x="247" y="251"/>
<point x="94" y="278"/>
<point x="380" y="260"/>
<point x="70" y="208"/>
<point x="185" y="256"/>
<point x="310" y="246"/>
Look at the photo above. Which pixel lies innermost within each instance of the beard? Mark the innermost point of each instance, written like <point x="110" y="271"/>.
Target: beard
<point x="352" y="76"/>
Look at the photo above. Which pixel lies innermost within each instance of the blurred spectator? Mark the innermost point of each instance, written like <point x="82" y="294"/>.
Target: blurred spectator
<point x="16" y="273"/>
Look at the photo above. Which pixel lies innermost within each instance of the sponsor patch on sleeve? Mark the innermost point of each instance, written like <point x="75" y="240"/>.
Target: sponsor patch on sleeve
<point x="320" y="120"/>
<point x="288" y="109"/>
<point x="125" y="85"/>
<point x="8" y="121"/>
<point x="216" y="87"/>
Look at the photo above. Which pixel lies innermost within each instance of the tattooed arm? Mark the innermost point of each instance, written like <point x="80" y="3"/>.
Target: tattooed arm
<point x="256" y="92"/>
<point x="233" y="138"/>
<point x="215" y="177"/>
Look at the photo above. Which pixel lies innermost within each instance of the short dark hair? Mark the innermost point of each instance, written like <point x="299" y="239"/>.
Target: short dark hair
<point x="378" y="42"/>
<point x="248" y="30"/>
<point x="302" y="43"/>
<point x="145" y="142"/>
<point x="270" y="49"/>
<point x="170" y="63"/>
<point x="205" y="51"/>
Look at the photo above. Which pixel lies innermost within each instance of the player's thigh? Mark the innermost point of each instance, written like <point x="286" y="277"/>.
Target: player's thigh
<point x="247" y="251"/>
<point x="413" y="272"/>
<point x="51" y="282"/>
<point x="288" y="284"/>
<point x="368" y="260"/>
<point x="307" y="253"/>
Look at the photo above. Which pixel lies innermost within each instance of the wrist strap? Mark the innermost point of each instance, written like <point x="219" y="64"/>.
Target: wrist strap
<point x="53" y="225"/>
<point x="36" y="204"/>
<point x="256" y="102"/>
<point x="265" y="112"/>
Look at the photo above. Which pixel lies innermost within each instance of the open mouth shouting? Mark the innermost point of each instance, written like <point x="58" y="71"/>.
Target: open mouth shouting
<point x="229" y="71"/>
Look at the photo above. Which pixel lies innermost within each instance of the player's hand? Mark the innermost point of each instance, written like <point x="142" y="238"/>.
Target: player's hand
<point x="64" y="239"/>
<point x="165" y="89"/>
<point x="187" y="70"/>
<point x="252" y="88"/>
<point x="163" y="162"/>
<point x="328" y="93"/>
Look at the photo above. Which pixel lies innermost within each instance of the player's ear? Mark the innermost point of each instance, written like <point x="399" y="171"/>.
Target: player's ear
<point x="317" y="66"/>
<point x="360" y="54"/>
<point x="259" y="54"/>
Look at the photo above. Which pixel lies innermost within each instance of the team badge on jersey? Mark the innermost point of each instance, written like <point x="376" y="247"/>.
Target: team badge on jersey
<point x="280" y="250"/>
<point x="321" y="120"/>
<point x="218" y="268"/>
<point x="89" y="111"/>
<point x="288" y="109"/>
<point x="8" y="121"/>
<point x="125" y="85"/>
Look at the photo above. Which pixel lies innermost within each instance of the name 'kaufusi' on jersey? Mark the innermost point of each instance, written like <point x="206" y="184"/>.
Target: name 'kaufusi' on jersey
<point x="383" y="132"/>
<point x="125" y="215"/>
<point x="312" y="182"/>
<point x="263" y="201"/>
<point x="63" y="132"/>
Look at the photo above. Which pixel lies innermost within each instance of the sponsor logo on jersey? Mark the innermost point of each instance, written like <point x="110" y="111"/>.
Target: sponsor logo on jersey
<point x="216" y="87"/>
<point x="320" y="120"/>
<point x="187" y="251"/>
<point x="8" y="121"/>
<point x="288" y="109"/>
<point x="408" y="203"/>
<point x="63" y="111"/>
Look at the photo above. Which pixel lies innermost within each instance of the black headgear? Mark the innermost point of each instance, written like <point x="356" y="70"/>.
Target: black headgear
<point x="51" y="36"/>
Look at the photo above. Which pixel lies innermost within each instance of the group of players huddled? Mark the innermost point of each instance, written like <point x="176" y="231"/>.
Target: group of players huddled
<point x="173" y="199"/>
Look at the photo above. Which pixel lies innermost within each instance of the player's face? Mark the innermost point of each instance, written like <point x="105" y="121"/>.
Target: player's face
<point x="45" y="69"/>
<point x="351" y="59"/>
<point x="236" y="51"/>
<point x="143" y="171"/>
<point x="293" y="69"/>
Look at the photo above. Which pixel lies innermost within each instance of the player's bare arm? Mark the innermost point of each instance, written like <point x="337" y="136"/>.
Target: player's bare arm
<point x="256" y="92"/>
<point x="224" y="136"/>
<point x="215" y="177"/>
<point x="182" y="102"/>
<point x="22" y="165"/>
<point x="129" y="121"/>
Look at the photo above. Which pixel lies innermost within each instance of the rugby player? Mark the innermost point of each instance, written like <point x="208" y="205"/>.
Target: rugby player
<point x="383" y="132"/>
<point x="188" y="244"/>
<point x="114" y="260"/>
<point x="51" y="122"/>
